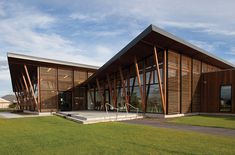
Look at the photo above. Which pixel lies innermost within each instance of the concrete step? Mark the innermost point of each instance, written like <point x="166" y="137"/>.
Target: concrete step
<point x="104" y="118"/>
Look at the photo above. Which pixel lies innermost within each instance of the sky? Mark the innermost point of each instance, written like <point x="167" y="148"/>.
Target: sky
<point x="92" y="31"/>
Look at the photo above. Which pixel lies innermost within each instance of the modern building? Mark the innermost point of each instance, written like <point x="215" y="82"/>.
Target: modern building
<point x="157" y="73"/>
<point x="46" y="85"/>
<point x="4" y="104"/>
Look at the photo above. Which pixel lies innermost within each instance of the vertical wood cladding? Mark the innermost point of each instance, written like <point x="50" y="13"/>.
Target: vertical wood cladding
<point x="196" y="86"/>
<point x="211" y="89"/>
<point x="186" y="68"/>
<point x="185" y="85"/>
<point x="173" y="82"/>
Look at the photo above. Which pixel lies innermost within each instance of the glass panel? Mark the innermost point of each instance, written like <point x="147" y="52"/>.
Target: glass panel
<point x="154" y="104"/>
<point x="79" y="98"/>
<point x="149" y="79"/>
<point x="131" y="81"/>
<point x="65" y="100"/>
<point x="98" y="101"/>
<point x="155" y="76"/>
<point x="225" y="98"/>
<point x="90" y="99"/>
<point x="48" y="78"/>
<point x="141" y="80"/>
<point x="136" y="99"/>
<point x="79" y="77"/>
<point x="65" y="79"/>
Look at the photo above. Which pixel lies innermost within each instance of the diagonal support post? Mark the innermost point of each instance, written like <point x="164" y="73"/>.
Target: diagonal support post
<point x="159" y="80"/>
<point x="31" y="87"/>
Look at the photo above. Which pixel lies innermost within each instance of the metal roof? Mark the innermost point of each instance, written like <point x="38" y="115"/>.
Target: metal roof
<point x="171" y="36"/>
<point x="46" y="60"/>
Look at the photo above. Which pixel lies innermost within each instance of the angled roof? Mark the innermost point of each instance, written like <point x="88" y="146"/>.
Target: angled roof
<point x="16" y="62"/>
<point x="143" y="44"/>
<point x="50" y="61"/>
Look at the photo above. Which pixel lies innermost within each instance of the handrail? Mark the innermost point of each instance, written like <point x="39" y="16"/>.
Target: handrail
<point x="137" y="109"/>
<point x="111" y="107"/>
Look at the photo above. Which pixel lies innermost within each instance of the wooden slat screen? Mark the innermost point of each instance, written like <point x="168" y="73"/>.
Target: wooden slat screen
<point x="196" y="86"/>
<point x="209" y="68"/>
<point x="186" y="84"/>
<point x="173" y="82"/>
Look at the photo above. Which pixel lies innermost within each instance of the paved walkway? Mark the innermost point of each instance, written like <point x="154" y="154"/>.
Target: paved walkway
<point x="161" y="123"/>
<point x="8" y="115"/>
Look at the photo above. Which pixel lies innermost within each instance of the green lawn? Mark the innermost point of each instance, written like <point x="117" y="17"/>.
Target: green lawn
<point x="211" y="121"/>
<point x="54" y="135"/>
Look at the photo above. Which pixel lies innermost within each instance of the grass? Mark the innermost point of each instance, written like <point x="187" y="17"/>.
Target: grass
<point x="54" y="135"/>
<point x="5" y="110"/>
<point x="210" y="121"/>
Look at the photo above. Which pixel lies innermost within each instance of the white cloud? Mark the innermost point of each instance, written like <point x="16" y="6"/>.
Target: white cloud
<point x="87" y="17"/>
<point x="203" y="45"/>
<point x="19" y="34"/>
<point x="100" y="33"/>
<point x="206" y="16"/>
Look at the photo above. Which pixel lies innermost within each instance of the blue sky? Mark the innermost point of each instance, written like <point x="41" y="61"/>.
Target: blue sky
<point x="91" y="32"/>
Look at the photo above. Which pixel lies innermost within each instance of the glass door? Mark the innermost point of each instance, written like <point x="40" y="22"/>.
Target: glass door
<point x="65" y="100"/>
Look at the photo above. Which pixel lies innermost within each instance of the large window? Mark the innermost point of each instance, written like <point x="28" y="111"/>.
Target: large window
<point x="154" y="104"/>
<point x="226" y="98"/>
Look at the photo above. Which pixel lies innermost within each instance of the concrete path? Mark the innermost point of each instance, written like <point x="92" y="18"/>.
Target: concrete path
<point x="161" y="123"/>
<point x="9" y="115"/>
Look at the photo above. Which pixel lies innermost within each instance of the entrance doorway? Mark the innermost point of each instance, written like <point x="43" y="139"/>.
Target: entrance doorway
<point x="65" y="101"/>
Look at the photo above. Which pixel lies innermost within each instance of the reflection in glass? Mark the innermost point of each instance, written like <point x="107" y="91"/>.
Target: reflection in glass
<point x="136" y="99"/>
<point x="154" y="104"/>
<point x="225" y="98"/>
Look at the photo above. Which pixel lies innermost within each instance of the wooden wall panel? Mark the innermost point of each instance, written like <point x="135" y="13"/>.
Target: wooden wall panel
<point x="196" y="92"/>
<point x="173" y="82"/>
<point x="186" y="68"/>
<point x="211" y="89"/>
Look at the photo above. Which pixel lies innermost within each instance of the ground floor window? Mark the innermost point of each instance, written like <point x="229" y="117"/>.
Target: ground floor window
<point x="226" y="98"/>
<point x="154" y="104"/>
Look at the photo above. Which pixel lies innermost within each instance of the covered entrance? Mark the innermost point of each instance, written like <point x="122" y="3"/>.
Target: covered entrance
<point x="65" y="101"/>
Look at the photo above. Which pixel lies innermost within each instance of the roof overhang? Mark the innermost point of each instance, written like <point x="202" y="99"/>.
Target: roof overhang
<point x="16" y="64"/>
<point x="39" y="60"/>
<point x="143" y="44"/>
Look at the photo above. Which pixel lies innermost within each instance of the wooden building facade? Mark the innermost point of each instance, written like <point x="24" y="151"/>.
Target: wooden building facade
<point x="157" y="73"/>
<point x="46" y="85"/>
